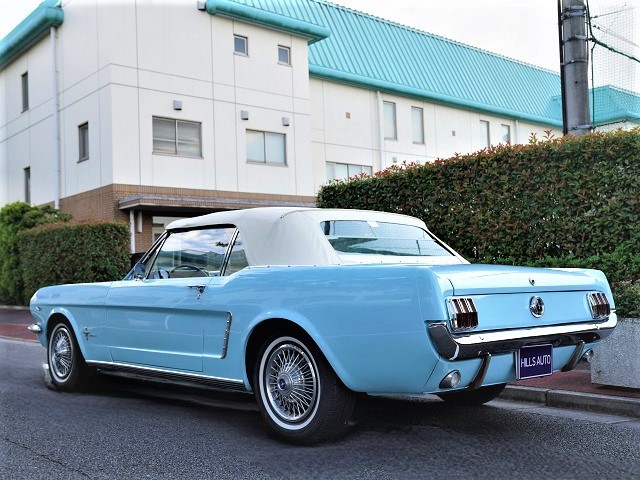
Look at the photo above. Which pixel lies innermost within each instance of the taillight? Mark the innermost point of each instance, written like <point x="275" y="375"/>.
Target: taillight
<point x="462" y="313"/>
<point x="598" y="304"/>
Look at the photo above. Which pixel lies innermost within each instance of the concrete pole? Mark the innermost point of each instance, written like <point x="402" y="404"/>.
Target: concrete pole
<point x="575" y="67"/>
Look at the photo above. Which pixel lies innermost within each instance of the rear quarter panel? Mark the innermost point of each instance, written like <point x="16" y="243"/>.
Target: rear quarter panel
<point x="369" y="321"/>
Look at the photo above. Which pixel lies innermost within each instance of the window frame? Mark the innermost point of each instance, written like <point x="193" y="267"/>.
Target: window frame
<point x="24" y="85"/>
<point x="504" y="126"/>
<point x="288" y="50"/>
<point x="485" y="124"/>
<point x="176" y="140"/>
<point x="27" y="185"/>
<point x="83" y="146"/>
<point x="333" y="166"/>
<point x="150" y="257"/>
<point x="244" y="53"/>
<point x="422" y="135"/>
<point x="395" y="120"/>
<point x="264" y="144"/>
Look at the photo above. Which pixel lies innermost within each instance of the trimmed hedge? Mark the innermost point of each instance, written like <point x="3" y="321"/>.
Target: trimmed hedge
<point x="14" y="218"/>
<point x="87" y="252"/>
<point x="568" y="202"/>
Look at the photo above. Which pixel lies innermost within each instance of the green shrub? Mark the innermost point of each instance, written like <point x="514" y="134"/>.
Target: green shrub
<point x="87" y="252"/>
<point x="15" y="218"/>
<point x="565" y="202"/>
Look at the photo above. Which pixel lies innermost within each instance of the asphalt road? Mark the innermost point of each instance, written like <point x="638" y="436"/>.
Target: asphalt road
<point x="115" y="432"/>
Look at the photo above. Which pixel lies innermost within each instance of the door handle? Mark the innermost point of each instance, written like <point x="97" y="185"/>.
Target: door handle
<point x="200" y="288"/>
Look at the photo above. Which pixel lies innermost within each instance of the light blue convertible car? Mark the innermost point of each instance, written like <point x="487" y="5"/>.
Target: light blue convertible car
<point x="305" y="307"/>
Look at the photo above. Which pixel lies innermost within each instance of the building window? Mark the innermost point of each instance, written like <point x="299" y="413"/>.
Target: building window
<point x="341" y="171"/>
<point x="241" y="45"/>
<point x="506" y="134"/>
<point x="25" y="91"/>
<point x="176" y="137"/>
<point x="284" y="55"/>
<point x="485" y="138"/>
<point x="27" y="185"/>
<point x="266" y="147"/>
<point x="83" y="142"/>
<point x="417" y="119"/>
<point x="390" y="132"/>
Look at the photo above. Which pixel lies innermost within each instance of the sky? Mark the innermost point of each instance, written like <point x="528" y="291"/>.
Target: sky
<point x="526" y="31"/>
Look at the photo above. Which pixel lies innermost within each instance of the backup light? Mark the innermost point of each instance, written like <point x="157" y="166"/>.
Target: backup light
<point x="451" y="380"/>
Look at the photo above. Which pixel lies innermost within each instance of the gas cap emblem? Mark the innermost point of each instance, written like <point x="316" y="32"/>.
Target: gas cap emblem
<point x="536" y="306"/>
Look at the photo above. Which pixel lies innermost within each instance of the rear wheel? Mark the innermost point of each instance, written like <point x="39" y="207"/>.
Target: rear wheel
<point x="67" y="368"/>
<point x="473" y="397"/>
<point x="298" y="393"/>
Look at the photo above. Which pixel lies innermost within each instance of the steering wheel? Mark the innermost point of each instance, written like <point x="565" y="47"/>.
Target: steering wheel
<point x="186" y="266"/>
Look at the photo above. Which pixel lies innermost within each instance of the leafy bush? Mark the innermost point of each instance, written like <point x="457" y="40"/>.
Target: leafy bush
<point x="87" y="252"/>
<point x="14" y="218"/>
<point x="551" y="203"/>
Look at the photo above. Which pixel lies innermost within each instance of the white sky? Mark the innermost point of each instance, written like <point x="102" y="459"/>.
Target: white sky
<point x="524" y="30"/>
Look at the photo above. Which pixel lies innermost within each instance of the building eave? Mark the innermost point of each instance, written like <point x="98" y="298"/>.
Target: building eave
<point x="245" y="13"/>
<point x="48" y="14"/>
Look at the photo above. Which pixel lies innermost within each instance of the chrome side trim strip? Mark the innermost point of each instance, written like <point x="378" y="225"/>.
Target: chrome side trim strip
<point x="475" y="345"/>
<point x="227" y="331"/>
<point x="217" y="383"/>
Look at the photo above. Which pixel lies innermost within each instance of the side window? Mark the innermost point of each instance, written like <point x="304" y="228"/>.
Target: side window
<point x="237" y="259"/>
<point x="194" y="253"/>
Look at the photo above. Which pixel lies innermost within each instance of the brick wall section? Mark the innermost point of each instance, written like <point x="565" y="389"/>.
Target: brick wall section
<point x="102" y="204"/>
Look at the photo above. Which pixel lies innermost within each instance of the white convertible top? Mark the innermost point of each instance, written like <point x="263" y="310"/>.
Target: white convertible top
<point x="289" y="235"/>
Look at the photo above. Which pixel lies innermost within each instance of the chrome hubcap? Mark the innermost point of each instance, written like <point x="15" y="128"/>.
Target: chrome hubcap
<point x="291" y="383"/>
<point x="61" y="355"/>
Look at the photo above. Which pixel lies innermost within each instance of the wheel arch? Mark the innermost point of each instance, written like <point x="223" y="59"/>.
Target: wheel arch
<point x="61" y="314"/>
<point x="264" y="329"/>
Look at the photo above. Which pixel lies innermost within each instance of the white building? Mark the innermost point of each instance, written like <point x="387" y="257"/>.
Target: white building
<point x="167" y="108"/>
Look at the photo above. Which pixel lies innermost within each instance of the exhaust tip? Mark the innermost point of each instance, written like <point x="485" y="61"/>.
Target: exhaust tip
<point x="588" y="355"/>
<point x="451" y="380"/>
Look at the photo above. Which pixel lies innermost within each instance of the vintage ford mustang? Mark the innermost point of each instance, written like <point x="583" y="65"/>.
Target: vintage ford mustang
<point x="305" y="307"/>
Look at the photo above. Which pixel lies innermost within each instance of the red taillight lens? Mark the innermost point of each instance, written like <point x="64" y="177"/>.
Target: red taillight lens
<point x="463" y="314"/>
<point x="599" y="305"/>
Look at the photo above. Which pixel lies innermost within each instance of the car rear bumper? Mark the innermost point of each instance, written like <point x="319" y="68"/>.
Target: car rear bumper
<point x="475" y="345"/>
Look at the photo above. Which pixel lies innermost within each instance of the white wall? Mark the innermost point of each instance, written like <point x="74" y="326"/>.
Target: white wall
<point x="354" y="140"/>
<point x="122" y="63"/>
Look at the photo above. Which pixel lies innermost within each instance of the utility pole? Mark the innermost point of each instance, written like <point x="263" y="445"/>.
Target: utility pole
<point x="574" y="67"/>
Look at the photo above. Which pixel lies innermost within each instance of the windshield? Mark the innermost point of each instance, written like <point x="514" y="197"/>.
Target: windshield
<point x="380" y="238"/>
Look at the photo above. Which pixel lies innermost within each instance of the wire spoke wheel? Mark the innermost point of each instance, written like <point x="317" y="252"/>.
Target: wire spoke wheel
<point x="291" y="383"/>
<point x="61" y="353"/>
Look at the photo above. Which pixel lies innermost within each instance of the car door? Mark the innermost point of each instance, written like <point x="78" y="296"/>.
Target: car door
<point x="159" y="320"/>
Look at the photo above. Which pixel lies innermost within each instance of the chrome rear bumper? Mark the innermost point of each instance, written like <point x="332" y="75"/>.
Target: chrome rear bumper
<point x="475" y="345"/>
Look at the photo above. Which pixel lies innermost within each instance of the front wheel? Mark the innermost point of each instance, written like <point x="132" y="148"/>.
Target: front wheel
<point x="473" y="397"/>
<point x="67" y="368"/>
<point x="298" y="393"/>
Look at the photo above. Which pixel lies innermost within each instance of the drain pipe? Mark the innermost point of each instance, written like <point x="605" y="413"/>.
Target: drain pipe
<point x="517" y="133"/>
<point x="56" y="119"/>
<point x="380" y="131"/>
<point x="132" y="230"/>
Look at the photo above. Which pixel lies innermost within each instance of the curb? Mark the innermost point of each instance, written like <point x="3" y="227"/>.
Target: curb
<point x="590" y="402"/>
<point x="13" y="307"/>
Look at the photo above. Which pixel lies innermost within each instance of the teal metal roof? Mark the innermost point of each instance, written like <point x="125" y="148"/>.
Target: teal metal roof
<point x="611" y="105"/>
<point x="46" y="15"/>
<point x="369" y="51"/>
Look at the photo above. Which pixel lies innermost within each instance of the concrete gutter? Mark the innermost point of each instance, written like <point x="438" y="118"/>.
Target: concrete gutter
<point x="590" y="402"/>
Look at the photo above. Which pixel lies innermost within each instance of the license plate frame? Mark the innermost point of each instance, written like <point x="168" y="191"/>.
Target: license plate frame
<point x="534" y="361"/>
